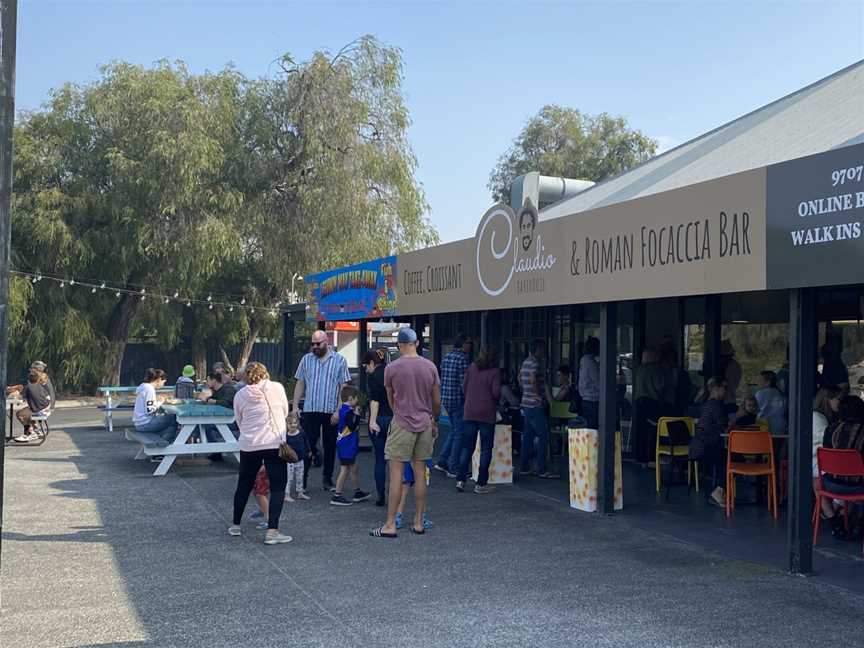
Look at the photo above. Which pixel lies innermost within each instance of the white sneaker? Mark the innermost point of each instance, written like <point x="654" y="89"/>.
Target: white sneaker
<point x="277" y="538"/>
<point x="235" y="530"/>
<point x="290" y="499"/>
<point x="303" y="496"/>
<point x="26" y="438"/>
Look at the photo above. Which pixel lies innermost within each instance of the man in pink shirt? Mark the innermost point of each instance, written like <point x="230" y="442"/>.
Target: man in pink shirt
<point x="414" y="394"/>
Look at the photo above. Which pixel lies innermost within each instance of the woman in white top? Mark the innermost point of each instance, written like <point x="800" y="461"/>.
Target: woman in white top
<point x="826" y="405"/>
<point x="145" y="416"/>
<point x="261" y="410"/>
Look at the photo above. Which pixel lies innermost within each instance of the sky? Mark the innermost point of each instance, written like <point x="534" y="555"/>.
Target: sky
<point x="475" y="71"/>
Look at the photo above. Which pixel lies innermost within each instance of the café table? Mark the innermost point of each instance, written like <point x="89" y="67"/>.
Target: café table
<point x="191" y="416"/>
<point x="111" y="405"/>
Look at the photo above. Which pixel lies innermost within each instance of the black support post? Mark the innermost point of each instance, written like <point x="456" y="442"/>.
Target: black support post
<point x="362" y="348"/>
<point x="287" y="345"/>
<point x="802" y="370"/>
<point x="608" y="408"/>
<point x="713" y="334"/>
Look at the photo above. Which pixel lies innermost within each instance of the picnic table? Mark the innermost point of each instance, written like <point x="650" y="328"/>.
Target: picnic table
<point x="190" y="416"/>
<point x="111" y="405"/>
<point x="13" y="403"/>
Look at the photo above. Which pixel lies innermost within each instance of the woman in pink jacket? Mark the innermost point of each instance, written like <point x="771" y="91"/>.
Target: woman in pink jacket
<point x="261" y="409"/>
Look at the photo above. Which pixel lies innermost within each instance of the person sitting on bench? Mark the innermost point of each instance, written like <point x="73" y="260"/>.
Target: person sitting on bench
<point x="145" y="416"/>
<point x="38" y="401"/>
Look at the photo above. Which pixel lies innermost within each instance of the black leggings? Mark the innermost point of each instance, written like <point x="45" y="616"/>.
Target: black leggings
<point x="277" y="475"/>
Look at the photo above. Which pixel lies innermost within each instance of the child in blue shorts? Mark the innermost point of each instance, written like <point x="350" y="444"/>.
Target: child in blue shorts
<point x="347" y="447"/>
<point x="407" y="483"/>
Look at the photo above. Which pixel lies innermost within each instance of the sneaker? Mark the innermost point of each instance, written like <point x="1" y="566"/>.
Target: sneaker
<point x="460" y="486"/>
<point x="548" y="475"/>
<point x="380" y="501"/>
<point x="451" y="475"/>
<point x="398" y="520"/>
<point x="360" y="495"/>
<point x="26" y="438"/>
<point x="303" y="496"/>
<point x="440" y="468"/>
<point x="484" y="490"/>
<point x="235" y="530"/>
<point x="263" y="525"/>
<point x="427" y="523"/>
<point x="328" y="486"/>
<point x="526" y="473"/>
<point x="718" y="498"/>
<point x="255" y="515"/>
<point x="289" y="499"/>
<point x="339" y="500"/>
<point x="276" y="538"/>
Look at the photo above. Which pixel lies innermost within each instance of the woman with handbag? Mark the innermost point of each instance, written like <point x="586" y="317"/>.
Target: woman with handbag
<point x="261" y="410"/>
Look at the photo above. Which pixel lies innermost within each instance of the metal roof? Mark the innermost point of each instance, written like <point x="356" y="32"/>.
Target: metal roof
<point x="825" y="115"/>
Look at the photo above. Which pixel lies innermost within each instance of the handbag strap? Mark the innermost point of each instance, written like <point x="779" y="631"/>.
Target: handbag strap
<point x="272" y="419"/>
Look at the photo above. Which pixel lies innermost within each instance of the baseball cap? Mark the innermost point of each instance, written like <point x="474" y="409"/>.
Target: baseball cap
<point x="38" y="364"/>
<point x="406" y="336"/>
<point x="189" y="371"/>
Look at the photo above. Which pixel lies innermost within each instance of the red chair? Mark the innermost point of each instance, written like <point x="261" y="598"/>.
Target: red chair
<point x="750" y="443"/>
<point x="842" y="463"/>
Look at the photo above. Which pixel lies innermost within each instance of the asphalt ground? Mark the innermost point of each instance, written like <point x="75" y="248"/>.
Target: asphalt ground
<point x="98" y="552"/>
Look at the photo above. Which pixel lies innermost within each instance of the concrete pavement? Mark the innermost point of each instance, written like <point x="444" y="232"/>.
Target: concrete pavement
<point x="97" y="552"/>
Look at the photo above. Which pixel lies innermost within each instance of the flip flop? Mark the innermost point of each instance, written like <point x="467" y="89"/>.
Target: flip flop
<point x="379" y="533"/>
<point x="416" y="532"/>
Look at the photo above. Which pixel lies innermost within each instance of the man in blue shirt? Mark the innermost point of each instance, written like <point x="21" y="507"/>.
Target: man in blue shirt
<point x="453" y="369"/>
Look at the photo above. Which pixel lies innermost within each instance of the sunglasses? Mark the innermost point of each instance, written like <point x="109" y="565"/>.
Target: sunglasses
<point x="318" y="343"/>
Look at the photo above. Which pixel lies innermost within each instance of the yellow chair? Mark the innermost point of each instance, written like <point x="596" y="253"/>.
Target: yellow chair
<point x="676" y="445"/>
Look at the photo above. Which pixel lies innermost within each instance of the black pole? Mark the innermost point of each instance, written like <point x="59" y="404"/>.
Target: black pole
<point x="802" y="373"/>
<point x="362" y="348"/>
<point x="713" y="335"/>
<point x="608" y="408"/>
<point x="8" y="25"/>
<point x="287" y="345"/>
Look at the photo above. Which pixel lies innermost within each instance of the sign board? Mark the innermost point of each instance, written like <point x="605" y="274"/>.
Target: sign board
<point x="815" y="220"/>
<point x="701" y="239"/>
<point x="362" y="291"/>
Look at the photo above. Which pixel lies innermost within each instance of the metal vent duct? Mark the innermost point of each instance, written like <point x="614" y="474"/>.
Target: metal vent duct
<point x="544" y="190"/>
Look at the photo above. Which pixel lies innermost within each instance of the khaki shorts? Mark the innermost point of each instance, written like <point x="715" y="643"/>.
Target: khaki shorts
<point x="405" y="445"/>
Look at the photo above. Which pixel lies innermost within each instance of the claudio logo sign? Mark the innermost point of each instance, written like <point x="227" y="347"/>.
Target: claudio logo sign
<point x="507" y="247"/>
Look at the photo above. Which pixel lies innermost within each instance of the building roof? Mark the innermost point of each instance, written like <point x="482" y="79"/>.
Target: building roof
<point x="826" y="115"/>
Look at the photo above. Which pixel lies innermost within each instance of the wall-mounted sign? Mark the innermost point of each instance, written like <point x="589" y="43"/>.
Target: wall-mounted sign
<point x="702" y="239"/>
<point x="816" y="220"/>
<point x="362" y="291"/>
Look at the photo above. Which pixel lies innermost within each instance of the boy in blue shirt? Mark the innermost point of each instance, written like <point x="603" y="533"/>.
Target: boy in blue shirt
<point x="347" y="447"/>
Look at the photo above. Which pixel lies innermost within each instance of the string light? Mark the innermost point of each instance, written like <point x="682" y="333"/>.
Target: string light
<point x="229" y="303"/>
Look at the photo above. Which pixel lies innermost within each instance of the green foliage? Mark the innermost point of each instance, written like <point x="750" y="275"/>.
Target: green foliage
<point x="565" y="142"/>
<point x="204" y="183"/>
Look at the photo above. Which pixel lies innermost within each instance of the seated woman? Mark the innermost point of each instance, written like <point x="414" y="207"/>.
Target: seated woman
<point x="847" y="434"/>
<point x="145" y="416"/>
<point x="747" y="414"/>
<point x="38" y="401"/>
<point x="707" y="446"/>
<point x="826" y="407"/>
<point x="772" y="404"/>
<point x="565" y="385"/>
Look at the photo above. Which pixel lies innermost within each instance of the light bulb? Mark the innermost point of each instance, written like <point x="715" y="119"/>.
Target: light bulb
<point x="62" y="284"/>
<point x="93" y="289"/>
<point x="167" y="300"/>
<point x="242" y="301"/>
<point x="176" y="294"/>
<point x="71" y="282"/>
<point x="143" y="290"/>
<point x="188" y="303"/>
<point x="209" y="298"/>
<point x="231" y="310"/>
<point x="102" y="286"/>
<point x="117" y="294"/>
<point x="210" y="307"/>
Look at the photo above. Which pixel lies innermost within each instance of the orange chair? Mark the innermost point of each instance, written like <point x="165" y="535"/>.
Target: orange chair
<point x="843" y="463"/>
<point x="750" y="443"/>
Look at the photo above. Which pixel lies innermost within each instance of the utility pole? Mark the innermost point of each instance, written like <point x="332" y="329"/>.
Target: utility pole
<point x="8" y="25"/>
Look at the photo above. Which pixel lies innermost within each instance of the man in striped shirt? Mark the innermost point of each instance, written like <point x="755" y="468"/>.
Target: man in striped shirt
<point x="320" y="377"/>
